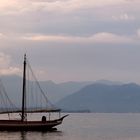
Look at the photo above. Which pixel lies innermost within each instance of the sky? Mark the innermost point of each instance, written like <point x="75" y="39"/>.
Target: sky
<point x="71" y="40"/>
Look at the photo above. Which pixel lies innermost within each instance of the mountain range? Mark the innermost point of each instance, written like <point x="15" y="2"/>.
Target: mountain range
<point x="104" y="98"/>
<point x="90" y="96"/>
<point x="55" y="92"/>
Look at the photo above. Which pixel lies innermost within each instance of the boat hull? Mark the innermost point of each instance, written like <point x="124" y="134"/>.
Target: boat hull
<point x="16" y="125"/>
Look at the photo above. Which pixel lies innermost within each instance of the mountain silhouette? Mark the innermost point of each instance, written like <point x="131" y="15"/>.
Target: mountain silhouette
<point x="104" y="98"/>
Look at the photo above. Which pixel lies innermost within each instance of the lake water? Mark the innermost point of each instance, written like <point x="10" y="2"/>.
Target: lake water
<point x="91" y="126"/>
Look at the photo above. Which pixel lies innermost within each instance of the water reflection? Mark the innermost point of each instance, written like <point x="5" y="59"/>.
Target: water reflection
<point x="23" y="135"/>
<point x="40" y="135"/>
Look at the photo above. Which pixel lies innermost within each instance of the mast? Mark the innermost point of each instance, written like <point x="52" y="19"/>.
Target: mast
<point x="23" y="115"/>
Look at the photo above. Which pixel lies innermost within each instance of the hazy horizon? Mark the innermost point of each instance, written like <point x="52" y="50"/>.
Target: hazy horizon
<point x="100" y="81"/>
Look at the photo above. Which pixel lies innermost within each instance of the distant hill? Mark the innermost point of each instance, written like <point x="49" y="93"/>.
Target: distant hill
<point x="55" y="92"/>
<point x="93" y="96"/>
<point x="104" y="98"/>
<point x="108" y="82"/>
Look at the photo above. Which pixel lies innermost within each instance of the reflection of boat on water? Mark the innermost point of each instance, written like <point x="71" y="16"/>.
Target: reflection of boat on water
<point x="23" y="124"/>
<point x="26" y="135"/>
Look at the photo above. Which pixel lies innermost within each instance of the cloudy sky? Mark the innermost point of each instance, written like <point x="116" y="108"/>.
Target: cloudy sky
<point x="71" y="40"/>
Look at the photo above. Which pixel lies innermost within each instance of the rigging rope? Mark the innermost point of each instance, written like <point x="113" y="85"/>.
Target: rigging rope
<point x="48" y="103"/>
<point x="7" y="103"/>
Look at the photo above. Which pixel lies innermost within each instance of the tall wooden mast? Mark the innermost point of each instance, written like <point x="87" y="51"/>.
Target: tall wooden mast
<point x="23" y="115"/>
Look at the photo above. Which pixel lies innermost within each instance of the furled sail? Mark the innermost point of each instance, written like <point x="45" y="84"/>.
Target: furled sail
<point x="36" y="99"/>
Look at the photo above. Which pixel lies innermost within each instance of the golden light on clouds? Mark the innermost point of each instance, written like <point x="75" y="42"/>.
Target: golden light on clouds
<point x="102" y="37"/>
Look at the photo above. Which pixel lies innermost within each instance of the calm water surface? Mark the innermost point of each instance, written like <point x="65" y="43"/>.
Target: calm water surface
<point x="92" y="126"/>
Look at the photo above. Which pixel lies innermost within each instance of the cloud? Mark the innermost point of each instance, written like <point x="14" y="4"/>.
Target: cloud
<point x="103" y="37"/>
<point x="2" y="36"/>
<point x="123" y="17"/>
<point x="10" y="71"/>
<point x="111" y="38"/>
<point x="18" y="6"/>
<point x="5" y="68"/>
<point x="138" y="33"/>
<point x="66" y="16"/>
<point x="4" y="60"/>
<point x="90" y="33"/>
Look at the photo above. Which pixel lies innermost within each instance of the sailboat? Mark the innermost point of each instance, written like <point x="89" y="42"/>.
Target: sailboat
<point x="23" y="124"/>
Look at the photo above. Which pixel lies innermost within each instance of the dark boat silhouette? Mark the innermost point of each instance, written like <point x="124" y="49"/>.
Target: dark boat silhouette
<point x="23" y="124"/>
